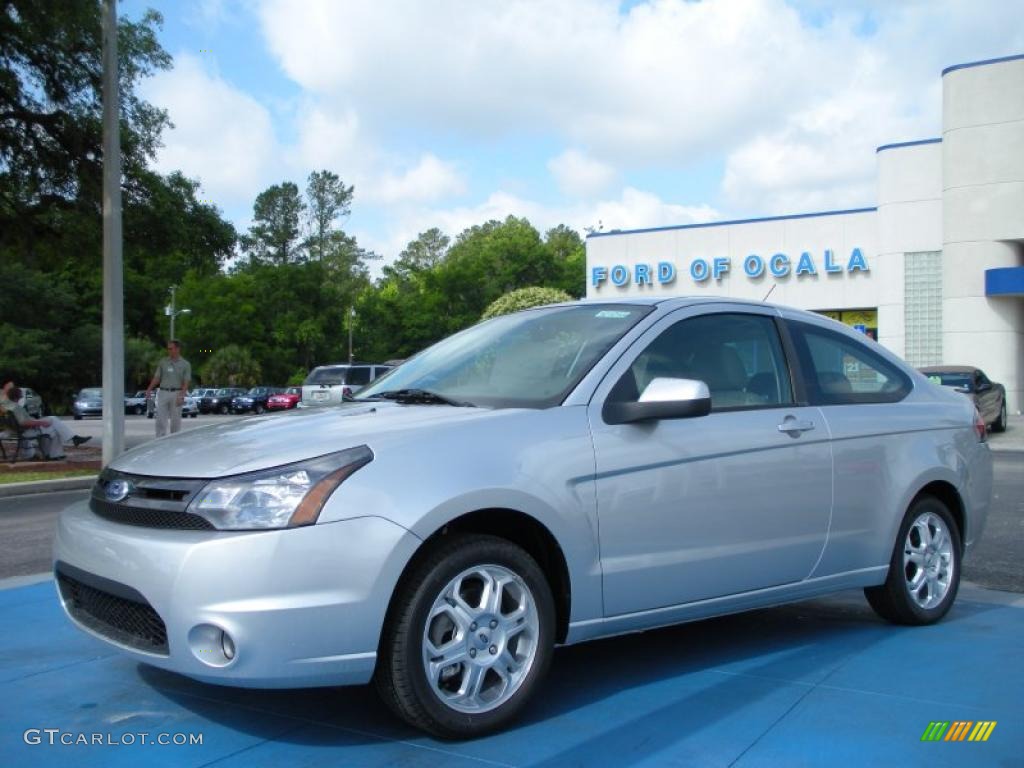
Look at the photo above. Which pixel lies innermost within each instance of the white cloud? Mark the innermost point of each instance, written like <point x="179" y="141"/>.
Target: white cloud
<point x="221" y="135"/>
<point x="579" y="175"/>
<point x="796" y="93"/>
<point x="430" y="179"/>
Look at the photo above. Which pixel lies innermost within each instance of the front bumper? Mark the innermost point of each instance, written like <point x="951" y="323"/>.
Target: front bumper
<point x="303" y="607"/>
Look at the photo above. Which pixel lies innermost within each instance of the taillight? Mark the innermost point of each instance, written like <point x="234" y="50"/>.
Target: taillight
<point x="979" y="426"/>
<point x="346" y="391"/>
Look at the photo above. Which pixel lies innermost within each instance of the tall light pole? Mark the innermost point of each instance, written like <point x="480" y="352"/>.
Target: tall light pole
<point x="351" y="322"/>
<point x="173" y="312"/>
<point x="113" y="272"/>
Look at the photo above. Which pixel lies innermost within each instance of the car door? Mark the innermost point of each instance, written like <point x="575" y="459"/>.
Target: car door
<point x="859" y="393"/>
<point x="697" y="508"/>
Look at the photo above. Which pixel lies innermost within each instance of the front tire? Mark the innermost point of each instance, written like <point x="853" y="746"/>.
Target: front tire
<point x="924" y="573"/>
<point x="468" y="638"/>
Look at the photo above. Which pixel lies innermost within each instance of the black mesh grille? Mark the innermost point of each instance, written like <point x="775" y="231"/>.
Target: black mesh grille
<point x="124" y="621"/>
<point x="149" y="518"/>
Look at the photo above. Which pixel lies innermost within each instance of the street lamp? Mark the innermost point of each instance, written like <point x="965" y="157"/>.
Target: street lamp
<point x="173" y="312"/>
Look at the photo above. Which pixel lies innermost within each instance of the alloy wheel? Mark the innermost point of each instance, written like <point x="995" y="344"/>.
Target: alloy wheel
<point x="928" y="563"/>
<point x="480" y="639"/>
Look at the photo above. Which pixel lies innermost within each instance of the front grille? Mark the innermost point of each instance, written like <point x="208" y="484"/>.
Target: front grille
<point x="131" y="622"/>
<point x="151" y="502"/>
<point x="149" y="518"/>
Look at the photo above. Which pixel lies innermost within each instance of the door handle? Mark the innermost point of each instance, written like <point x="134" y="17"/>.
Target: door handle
<point x="793" y="426"/>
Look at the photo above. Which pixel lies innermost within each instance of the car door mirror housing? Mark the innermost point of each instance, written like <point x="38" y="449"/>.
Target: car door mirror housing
<point x="663" y="398"/>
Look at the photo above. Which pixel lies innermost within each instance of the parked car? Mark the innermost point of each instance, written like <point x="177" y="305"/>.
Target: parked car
<point x="331" y="384"/>
<point x="988" y="397"/>
<point x="88" y="402"/>
<point x="33" y="403"/>
<point x="135" y="403"/>
<point x="253" y="401"/>
<point x="283" y="401"/>
<point x="189" y="408"/>
<point x="220" y="401"/>
<point x="550" y="476"/>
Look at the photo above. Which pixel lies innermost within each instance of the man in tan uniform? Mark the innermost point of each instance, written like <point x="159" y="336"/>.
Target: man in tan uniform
<point x="173" y="375"/>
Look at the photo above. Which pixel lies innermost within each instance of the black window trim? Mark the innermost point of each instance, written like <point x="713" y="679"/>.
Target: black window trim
<point x="804" y="360"/>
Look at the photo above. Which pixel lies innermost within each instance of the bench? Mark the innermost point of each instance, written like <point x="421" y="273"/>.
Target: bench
<point x="12" y="432"/>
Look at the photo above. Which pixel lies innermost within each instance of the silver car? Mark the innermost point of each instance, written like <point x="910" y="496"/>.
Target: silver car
<point x="547" y="477"/>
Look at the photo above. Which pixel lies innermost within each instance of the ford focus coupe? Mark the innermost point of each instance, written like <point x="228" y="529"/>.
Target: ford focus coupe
<point x="547" y="477"/>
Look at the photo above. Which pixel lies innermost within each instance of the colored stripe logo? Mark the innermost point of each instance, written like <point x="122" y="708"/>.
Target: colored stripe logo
<point x="959" y="730"/>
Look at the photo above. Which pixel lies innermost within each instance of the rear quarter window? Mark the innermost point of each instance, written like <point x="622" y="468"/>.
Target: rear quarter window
<point x="838" y="370"/>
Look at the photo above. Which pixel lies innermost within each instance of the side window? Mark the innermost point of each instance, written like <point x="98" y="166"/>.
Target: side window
<point x="358" y="376"/>
<point x="839" y="370"/>
<point x="738" y="356"/>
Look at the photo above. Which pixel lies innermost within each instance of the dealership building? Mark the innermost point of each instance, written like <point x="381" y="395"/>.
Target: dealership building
<point x="935" y="271"/>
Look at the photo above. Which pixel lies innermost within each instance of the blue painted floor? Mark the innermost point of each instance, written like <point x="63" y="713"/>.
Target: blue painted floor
<point x="819" y="683"/>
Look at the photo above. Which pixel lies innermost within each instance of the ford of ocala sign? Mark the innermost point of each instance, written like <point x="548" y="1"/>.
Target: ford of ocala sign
<point x="754" y="266"/>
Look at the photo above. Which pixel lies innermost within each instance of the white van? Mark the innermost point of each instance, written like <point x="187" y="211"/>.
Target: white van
<point x="330" y="384"/>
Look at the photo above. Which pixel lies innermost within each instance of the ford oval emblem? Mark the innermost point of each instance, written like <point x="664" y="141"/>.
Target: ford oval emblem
<point x="118" y="490"/>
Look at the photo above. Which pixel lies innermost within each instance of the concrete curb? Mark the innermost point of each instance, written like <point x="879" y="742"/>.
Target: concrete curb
<point x="47" y="486"/>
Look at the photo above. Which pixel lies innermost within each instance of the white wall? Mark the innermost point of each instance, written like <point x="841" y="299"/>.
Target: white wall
<point x="983" y="208"/>
<point x="909" y="219"/>
<point x="841" y="233"/>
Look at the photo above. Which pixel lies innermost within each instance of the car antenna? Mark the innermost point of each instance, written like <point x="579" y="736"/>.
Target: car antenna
<point x="774" y="286"/>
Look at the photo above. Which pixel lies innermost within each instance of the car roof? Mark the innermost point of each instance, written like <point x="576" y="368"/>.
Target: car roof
<point x="676" y="302"/>
<point x="948" y="369"/>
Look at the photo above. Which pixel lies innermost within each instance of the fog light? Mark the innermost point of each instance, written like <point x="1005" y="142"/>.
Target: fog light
<point x="227" y="645"/>
<point x="212" y="645"/>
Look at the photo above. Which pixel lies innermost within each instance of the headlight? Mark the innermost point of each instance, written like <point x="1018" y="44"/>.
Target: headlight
<point x="283" y="497"/>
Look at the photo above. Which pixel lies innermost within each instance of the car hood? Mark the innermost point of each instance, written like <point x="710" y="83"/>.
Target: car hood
<point x="250" y="444"/>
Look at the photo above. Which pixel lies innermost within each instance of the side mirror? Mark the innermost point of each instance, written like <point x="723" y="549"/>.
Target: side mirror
<point x="663" y="398"/>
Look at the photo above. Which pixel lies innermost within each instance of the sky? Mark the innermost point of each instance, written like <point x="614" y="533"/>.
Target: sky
<point x="611" y="115"/>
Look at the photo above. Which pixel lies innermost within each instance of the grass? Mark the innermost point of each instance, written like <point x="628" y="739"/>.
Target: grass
<point x="28" y="477"/>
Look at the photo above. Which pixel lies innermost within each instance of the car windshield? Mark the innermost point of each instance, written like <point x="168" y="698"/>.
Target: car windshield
<point x="329" y="375"/>
<point x="90" y="393"/>
<point x="293" y="391"/>
<point x="529" y="359"/>
<point x="958" y="380"/>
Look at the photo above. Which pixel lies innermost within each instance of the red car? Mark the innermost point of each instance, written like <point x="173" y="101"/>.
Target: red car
<point x="285" y="400"/>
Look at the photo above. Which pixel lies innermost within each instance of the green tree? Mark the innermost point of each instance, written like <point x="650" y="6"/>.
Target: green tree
<point x="524" y="298"/>
<point x="327" y="200"/>
<point x="50" y="192"/>
<point x="570" y="256"/>
<point x="232" y="366"/>
<point x="274" y="235"/>
<point x="140" y="360"/>
<point x="425" y="252"/>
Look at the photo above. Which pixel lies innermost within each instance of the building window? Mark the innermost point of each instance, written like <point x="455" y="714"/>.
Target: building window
<point x="923" y="308"/>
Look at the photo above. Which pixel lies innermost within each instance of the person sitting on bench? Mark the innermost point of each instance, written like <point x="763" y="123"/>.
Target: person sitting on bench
<point x="55" y="430"/>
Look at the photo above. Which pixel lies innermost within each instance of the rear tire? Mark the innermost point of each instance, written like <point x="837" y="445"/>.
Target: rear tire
<point x="924" y="572"/>
<point x="468" y="638"/>
<point x="999" y="425"/>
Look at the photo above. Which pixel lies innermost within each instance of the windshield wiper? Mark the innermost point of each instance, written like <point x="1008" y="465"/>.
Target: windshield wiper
<point x="421" y="396"/>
